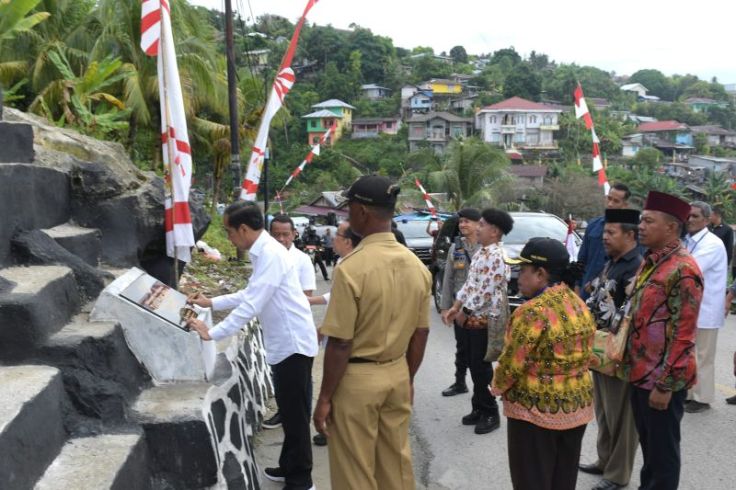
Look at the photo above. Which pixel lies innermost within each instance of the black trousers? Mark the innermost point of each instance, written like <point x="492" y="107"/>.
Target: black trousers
<point x="461" y="364"/>
<point x="329" y="256"/>
<point x="292" y="384"/>
<point x="659" y="436"/>
<point x="543" y="459"/>
<point x="476" y="344"/>
<point x="318" y="262"/>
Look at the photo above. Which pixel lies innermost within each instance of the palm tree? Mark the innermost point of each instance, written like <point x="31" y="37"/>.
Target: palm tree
<point x="473" y="173"/>
<point x="14" y="20"/>
<point x="717" y="190"/>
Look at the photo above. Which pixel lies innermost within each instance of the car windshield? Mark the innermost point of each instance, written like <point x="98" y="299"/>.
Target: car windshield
<point x="526" y="227"/>
<point x="413" y="229"/>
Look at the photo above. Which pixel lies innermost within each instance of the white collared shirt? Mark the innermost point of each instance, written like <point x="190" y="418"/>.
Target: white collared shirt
<point x="304" y="269"/>
<point x="710" y="254"/>
<point x="274" y="295"/>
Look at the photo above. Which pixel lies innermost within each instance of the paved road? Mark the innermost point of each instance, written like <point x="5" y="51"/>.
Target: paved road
<point x="449" y="455"/>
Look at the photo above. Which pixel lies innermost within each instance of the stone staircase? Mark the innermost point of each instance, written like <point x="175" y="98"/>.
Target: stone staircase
<point x="77" y="410"/>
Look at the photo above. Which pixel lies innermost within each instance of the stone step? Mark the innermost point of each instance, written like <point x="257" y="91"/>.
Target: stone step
<point x="85" y="243"/>
<point x="31" y="425"/>
<point x="40" y="300"/>
<point x="107" y="461"/>
<point x="176" y="434"/>
<point x="100" y="374"/>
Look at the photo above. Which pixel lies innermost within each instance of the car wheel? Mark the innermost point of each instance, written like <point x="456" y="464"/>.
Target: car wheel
<point x="437" y="290"/>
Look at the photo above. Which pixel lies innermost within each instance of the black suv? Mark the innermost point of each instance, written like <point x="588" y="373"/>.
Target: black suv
<point x="526" y="225"/>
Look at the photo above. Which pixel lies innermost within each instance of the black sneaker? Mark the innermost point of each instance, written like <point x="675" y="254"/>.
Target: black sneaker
<point x="319" y="440"/>
<point x="487" y="423"/>
<point x="696" y="407"/>
<point x="274" y="422"/>
<point x="275" y="474"/>
<point x="455" y="389"/>
<point x="472" y="418"/>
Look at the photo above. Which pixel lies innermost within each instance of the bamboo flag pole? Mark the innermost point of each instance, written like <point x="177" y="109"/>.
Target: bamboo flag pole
<point x="170" y="149"/>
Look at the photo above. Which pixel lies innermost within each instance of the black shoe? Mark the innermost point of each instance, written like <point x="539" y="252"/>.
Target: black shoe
<point x="472" y="418"/>
<point x="696" y="407"/>
<point x="319" y="440"/>
<point x="274" y="422"/>
<point x="606" y="485"/>
<point x="731" y="400"/>
<point x="275" y="474"/>
<point x="487" y="423"/>
<point x="591" y="469"/>
<point x="455" y="389"/>
<point x="292" y="487"/>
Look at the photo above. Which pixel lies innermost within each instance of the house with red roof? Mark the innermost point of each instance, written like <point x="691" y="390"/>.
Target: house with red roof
<point x="671" y="131"/>
<point x="518" y="123"/>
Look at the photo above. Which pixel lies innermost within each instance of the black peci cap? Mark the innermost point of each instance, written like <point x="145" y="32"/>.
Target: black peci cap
<point x="469" y="213"/>
<point x="373" y="190"/>
<point x="624" y="216"/>
<point x="542" y="251"/>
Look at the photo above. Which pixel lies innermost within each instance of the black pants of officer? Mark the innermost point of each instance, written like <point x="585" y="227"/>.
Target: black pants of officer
<point x="318" y="261"/>
<point x="476" y="344"/>
<point x="292" y="384"/>
<point x="659" y="436"/>
<point x="329" y="256"/>
<point x="543" y="459"/>
<point x="461" y="363"/>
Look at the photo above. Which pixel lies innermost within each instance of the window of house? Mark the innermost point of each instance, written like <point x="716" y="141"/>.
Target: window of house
<point x="312" y="123"/>
<point x="547" y="120"/>
<point x="532" y="119"/>
<point x="389" y="125"/>
<point x="493" y="119"/>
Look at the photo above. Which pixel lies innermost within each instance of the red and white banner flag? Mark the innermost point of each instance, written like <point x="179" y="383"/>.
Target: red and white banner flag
<point x="281" y="85"/>
<point x="157" y="40"/>
<point x="310" y="156"/>
<point x="426" y="198"/>
<point x="581" y="111"/>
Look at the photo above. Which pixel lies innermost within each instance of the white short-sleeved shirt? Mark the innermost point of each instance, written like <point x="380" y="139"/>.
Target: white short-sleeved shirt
<point x="304" y="269"/>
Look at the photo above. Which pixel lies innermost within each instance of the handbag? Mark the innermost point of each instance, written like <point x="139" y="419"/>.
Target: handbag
<point x="617" y="340"/>
<point x="497" y="330"/>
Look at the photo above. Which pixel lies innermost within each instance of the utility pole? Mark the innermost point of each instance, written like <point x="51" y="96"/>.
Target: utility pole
<point x="232" y="101"/>
<point x="265" y="184"/>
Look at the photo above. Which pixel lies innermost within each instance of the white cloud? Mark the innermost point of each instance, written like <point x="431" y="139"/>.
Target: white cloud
<point x="674" y="36"/>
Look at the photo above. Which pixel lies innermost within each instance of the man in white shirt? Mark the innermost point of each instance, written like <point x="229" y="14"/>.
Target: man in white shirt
<point x="284" y="231"/>
<point x="710" y="254"/>
<point x="273" y="294"/>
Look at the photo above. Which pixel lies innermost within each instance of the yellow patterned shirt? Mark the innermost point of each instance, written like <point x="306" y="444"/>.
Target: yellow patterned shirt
<point x="542" y="373"/>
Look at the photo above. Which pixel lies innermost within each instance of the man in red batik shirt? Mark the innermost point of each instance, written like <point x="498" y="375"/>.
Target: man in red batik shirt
<point x="661" y="346"/>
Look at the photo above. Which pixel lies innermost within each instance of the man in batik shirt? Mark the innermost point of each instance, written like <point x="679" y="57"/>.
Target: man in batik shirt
<point x="617" y="440"/>
<point x="480" y="299"/>
<point x="661" y="346"/>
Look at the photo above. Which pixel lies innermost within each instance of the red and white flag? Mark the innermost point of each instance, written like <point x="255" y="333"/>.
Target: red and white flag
<point x="157" y="40"/>
<point x="310" y="156"/>
<point x="581" y="110"/>
<point x="426" y="198"/>
<point x="281" y="85"/>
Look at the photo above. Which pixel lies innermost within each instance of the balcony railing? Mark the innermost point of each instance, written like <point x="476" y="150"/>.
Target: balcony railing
<point x="508" y="129"/>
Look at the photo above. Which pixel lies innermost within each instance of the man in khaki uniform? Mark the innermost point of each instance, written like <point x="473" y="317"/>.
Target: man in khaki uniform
<point x="377" y="323"/>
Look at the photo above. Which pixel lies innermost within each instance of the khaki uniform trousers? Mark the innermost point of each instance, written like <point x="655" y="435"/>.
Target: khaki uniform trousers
<point x="704" y="390"/>
<point x="617" y="437"/>
<point x="369" y="431"/>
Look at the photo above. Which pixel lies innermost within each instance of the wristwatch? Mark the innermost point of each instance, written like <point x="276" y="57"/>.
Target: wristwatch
<point x="467" y="311"/>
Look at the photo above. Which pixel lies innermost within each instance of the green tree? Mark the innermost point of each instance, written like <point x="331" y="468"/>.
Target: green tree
<point x="458" y="54"/>
<point x="523" y="82"/>
<point x="647" y="159"/>
<point x="474" y="172"/>
<point x="717" y="190"/>
<point x="15" y="17"/>
<point x="655" y="82"/>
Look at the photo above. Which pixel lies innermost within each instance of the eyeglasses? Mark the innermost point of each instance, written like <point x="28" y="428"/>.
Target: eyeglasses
<point x="343" y="235"/>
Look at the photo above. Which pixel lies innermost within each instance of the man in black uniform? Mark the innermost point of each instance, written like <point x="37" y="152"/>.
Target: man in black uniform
<point x="723" y="231"/>
<point x="313" y="239"/>
<point x="617" y="437"/>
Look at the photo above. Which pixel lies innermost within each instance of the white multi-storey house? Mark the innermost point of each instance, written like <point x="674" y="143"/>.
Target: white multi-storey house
<point x="518" y="123"/>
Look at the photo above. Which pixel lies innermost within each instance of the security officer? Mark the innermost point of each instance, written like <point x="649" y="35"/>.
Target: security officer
<point x="456" y="271"/>
<point x="377" y="323"/>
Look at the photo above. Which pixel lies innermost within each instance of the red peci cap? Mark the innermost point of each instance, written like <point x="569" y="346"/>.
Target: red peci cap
<point x="669" y="204"/>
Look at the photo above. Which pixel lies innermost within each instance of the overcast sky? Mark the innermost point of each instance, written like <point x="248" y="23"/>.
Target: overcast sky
<point x="623" y="36"/>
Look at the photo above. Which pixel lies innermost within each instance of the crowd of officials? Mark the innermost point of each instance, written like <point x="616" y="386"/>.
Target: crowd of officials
<point x="625" y="334"/>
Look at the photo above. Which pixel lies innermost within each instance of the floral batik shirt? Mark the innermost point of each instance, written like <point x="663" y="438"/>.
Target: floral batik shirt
<point x="611" y="288"/>
<point x="665" y="306"/>
<point x="484" y="289"/>
<point x="542" y="373"/>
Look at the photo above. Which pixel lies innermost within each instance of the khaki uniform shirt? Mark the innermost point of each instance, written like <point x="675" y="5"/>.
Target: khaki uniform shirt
<point x="380" y="296"/>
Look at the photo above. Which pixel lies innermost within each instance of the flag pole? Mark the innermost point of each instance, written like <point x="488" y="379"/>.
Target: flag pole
<point x="170" y="149"/>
